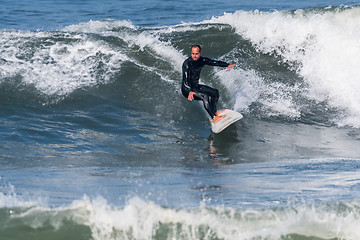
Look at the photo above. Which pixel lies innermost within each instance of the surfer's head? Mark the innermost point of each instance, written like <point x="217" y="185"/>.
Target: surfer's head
<point x="195" y="52"/>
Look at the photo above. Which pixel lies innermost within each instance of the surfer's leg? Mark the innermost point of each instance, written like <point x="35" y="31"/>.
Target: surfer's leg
<point x="207" y="105"/>
<point x="206" y="101"/>
<point x="201" y="97"/>
<point x="212" y="93"/>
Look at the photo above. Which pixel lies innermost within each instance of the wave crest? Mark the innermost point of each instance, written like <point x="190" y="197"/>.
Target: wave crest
<point x="321" y="45"/>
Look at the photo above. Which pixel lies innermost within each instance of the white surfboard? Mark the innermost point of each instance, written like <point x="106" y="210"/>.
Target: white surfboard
<point x="231" y="116"/>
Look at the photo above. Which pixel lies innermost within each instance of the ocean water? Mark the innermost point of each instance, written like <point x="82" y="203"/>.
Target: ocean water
<point x="97" y="141"/>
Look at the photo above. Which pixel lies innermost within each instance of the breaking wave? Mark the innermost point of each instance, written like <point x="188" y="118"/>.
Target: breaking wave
<point x="298" y="65"/>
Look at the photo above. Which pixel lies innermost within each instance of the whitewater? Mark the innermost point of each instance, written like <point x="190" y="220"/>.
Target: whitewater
<point x="320" y="45"/>
<point x="97" y="141"/>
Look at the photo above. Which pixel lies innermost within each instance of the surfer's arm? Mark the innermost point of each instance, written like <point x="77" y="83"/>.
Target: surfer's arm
<point x="185" y="75"/>
<point x="186" y="81"/>
<point x="211" y="62"/>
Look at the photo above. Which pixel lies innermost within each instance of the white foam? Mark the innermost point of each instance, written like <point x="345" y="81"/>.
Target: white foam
<point x="162" y="49"/>
<point x="10" y="199"/>
<point x="136" y="36"/>
<point x="57" y="67"/>
<point x="323" y="47"/>
<point x="247" y="87"/>
<point x="139" y="219"/>
<point x="99" y="26"/>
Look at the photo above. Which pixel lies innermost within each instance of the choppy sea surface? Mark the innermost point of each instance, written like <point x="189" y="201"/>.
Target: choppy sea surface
<point x="97" y="141"/>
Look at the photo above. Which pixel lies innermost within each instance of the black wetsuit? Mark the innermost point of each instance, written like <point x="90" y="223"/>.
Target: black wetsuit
<point x="191" y="74"/>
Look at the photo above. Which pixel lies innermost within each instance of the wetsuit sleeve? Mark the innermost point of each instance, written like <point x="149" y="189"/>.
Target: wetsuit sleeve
<point x="208" y="61"/>
<point x="186" y="83"/>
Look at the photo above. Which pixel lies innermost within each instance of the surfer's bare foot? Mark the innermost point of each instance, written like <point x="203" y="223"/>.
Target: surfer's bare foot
<point x="219" y="112"/>
<point x="218" y="118"/>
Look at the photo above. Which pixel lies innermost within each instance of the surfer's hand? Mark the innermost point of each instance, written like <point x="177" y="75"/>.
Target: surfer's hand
<point x="231" y="66"/>
<point x="191" y="96"/>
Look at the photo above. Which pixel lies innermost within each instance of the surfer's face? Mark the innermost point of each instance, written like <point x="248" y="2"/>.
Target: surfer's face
<point x="195" y="53"/>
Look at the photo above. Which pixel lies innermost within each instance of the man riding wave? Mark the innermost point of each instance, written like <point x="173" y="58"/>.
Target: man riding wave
<point x="191" y="88"/>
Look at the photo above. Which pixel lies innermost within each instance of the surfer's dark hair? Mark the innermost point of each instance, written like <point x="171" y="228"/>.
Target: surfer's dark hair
<point x="196" y="46"/>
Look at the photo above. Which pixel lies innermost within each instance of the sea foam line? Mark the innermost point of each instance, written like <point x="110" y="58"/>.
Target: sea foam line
<point x="139" y="219"/>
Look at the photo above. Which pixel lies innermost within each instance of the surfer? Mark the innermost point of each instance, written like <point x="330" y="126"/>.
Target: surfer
<point x="191" y="88"/>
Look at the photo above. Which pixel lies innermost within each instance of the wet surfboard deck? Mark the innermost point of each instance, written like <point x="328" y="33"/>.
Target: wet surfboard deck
<point x="231" y="116"/>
